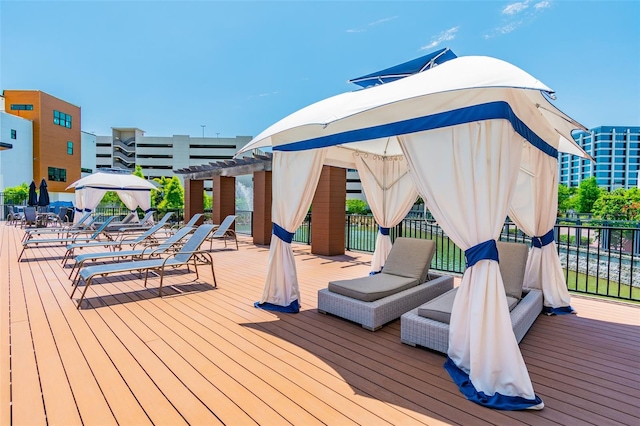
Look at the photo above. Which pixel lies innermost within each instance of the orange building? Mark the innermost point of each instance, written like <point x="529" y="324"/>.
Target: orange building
<point x="56" y="135"/>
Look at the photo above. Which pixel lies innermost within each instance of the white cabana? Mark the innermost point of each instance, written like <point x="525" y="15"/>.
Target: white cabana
<point x="133" y="191"/>
<point x="461" y="128"/>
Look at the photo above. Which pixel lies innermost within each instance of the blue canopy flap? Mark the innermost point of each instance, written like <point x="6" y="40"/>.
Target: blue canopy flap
<point x="405" y="69"/>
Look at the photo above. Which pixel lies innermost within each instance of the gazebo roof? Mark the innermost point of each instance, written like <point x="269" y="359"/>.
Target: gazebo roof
<point x="231" y="167"/>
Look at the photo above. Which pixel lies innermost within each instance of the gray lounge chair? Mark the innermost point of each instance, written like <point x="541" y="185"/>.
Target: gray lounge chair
<point x="14" y="216"/>
<point x="155" y="249"/>
<point x="190" y="252"/>
<point x="63" y="241"/>
<point x="117" y="244"/>
<point x="83" y="224"/>
<point x="132" y="226"/>
<point x="224" y="231"/>
<point x="192" y="223"/>
<point x="29" y="216"/>
<point x="428" y="325"/>
<point x="403" y="284"/>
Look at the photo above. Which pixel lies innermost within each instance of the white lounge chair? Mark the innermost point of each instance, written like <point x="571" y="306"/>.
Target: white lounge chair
<point x="428" y="324"/>
<point x="403" y="284"/>
<point x="190" y="252"/>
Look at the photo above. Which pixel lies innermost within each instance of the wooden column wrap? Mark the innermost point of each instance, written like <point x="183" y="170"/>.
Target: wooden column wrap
<point x="224" y="198"/>
<point x="262" y="208"/>
<point x="193" y="198"/>
<point x="328" y="212"/>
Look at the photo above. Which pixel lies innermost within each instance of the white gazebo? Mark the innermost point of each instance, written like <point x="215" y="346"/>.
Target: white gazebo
<point x="133" y="190"/>
<point x="478" y="139"/>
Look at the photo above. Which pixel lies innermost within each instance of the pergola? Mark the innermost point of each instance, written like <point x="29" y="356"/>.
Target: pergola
<point x="328" y="204"/>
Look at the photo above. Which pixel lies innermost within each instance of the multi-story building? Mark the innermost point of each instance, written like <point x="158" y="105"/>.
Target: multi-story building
<point x="160" y="155"/>
<point x="616" y="151"/>
<point x="55" y="141"/>
<point x="16" y="142"/>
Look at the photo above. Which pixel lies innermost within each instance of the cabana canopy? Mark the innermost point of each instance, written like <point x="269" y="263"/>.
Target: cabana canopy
<point x="133" y="190"/>
<point x="469" y="133"/>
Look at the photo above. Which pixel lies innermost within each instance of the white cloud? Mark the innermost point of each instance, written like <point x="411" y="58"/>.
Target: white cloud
<point x="371" y="24"/>
<point x="542" y="5"/>
<point x="515" y="8"/>
<point x="525" y="15"/>
<point x="446" y="35"/>
<point x="382" y="21"/>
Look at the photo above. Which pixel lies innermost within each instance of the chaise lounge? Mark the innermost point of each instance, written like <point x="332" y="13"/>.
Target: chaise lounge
<point x="428" y="324"/>
<point x="403" y="284"/>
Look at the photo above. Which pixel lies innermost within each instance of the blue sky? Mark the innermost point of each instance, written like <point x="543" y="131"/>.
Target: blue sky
<point x="169" y="67"/>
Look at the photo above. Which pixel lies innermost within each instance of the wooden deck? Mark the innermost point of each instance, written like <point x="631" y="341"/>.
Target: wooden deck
<point x="206" y="356"/>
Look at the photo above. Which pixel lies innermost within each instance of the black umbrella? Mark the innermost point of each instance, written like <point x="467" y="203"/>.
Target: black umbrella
<point x="33" y="197"/>
<point x="43" y="199"/>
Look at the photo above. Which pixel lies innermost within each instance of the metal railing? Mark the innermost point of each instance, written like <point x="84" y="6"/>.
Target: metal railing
<point x="598" y="260"/>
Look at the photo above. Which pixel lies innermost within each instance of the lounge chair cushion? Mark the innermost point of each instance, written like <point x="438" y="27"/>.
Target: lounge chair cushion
<point x="410" y="258"/>
<point x="368" y="289"/>
<point x="513" y="261"/>
<point x="439" y="309"/>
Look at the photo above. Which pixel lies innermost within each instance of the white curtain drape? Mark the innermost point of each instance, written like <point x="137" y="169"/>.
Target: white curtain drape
<point x="79" y="205"/>
<point x="88" y="199"/>
<point x="294" y="181"/>
<point x="133" y="198"/>
<point x="390" y="193"/>
<point x="534" y="210"/>
<point x="468" y="175"/>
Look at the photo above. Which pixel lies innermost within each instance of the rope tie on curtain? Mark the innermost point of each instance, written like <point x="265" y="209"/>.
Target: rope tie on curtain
<point x="544" y="240"/>
<point x="383" y="231"/>
<point x="487" y="250"/>
<point x="148" y="210"/>
<point x="282" y="233"/>
<point x="87" y="210"/>
<point x="78" y="210"/>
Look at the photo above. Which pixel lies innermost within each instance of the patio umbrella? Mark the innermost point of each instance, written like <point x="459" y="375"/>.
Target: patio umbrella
<point x="43" y="198"/>
<point x="463" y="127"/>
<point x="33" y="196"/>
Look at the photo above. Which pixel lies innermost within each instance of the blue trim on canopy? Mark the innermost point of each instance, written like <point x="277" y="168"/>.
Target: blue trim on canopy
<point x="487" y="250"/>
<point x="107" y="188"/>
<point x="497" y="400"/>
<point x="544" y="240"/>
<point x="383" y="231"/>
<point x="488" y="111"/>
<point x="282" y="233"/>
<point x="292" y="308"/>
<point x="563" y="310"/>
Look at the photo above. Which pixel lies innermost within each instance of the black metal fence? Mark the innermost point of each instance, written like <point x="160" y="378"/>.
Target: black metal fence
<point x="601" y="260"/>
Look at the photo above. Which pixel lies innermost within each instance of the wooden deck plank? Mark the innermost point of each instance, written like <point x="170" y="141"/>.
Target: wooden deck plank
<point x="5" y="329"/>
<point x="100" y="391"/>
<point x="203" y="355"/>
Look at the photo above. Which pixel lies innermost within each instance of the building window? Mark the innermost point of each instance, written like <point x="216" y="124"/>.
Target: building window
<point x="14" y="134"/>
<point x="61" y="119"/>
<point x="84" y="170"/>
<point x="69" y="147"/>
<point x="21" y="107"/>
<point x="57" y="175"/>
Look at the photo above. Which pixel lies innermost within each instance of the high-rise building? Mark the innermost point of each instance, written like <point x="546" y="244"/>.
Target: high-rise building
<point x="56" y="140"/>
<point x="616" y="151"/>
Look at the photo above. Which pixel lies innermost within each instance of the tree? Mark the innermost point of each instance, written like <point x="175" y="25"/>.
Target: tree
<point x="157" y="195"/>
<point x="173" y="195"/>
<point x="16" y="194"/>
<point x="208" y="200"/>
<point x="611" y="205"/>
<point x="355" y="206"/>
<point x="588" y="193"/>
<point x="138" y="171"/>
